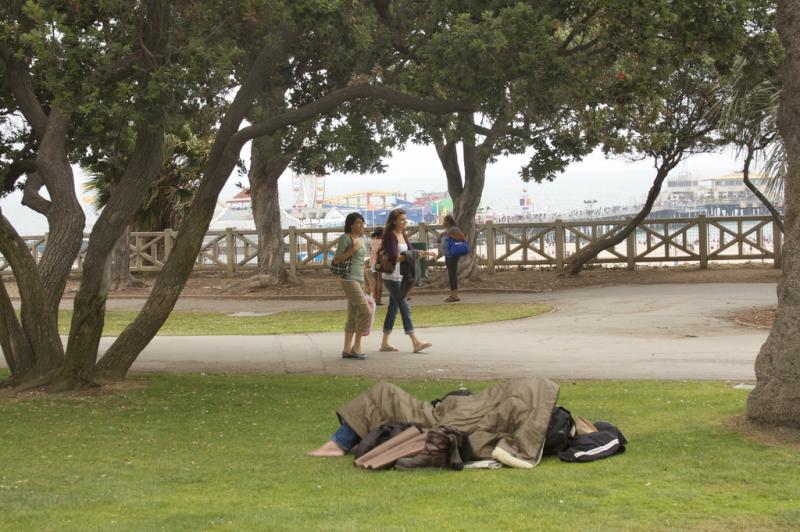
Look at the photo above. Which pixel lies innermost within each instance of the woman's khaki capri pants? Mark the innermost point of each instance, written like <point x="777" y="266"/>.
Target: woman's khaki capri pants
<point x="358" y="314"/>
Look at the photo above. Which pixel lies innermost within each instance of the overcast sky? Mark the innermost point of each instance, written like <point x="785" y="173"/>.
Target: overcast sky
<point x="609" y="181"/>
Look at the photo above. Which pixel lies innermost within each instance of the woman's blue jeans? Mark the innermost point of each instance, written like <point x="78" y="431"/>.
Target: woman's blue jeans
<point x="397" y="301"/>
<point x="346" y="438"/>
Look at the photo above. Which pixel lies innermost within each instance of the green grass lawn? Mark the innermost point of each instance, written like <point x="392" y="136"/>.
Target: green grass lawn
<point x="193" y="452"/>
<point x="214" y="323"/>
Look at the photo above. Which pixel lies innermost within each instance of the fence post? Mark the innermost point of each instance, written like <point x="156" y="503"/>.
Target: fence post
<point x="491" y="247"/>
<point x="631" y="241"/>
<point x="230" y="250"/>
<point x="422" y="234"/>
<point x="559" y="245"/>
<point x="293" y="249"/>
<point x="167" y="243"/>
<point x="777" y="246"/>
<point x="702" y="230"/>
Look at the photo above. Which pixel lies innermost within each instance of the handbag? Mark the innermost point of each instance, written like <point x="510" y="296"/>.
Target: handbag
<point x="457" y="248"/>
<point x="341" y="268"/>
<point x="385" y="264"/>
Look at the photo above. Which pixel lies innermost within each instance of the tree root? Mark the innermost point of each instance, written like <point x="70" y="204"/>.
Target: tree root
<point x="51" y="382"/>
<point x="7" y="384"/>
<point x="261" y="281"/>
<point x="120" y="286"/>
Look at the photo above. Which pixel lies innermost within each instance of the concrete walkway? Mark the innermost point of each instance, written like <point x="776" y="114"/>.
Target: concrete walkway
<point x="664" y="331"/>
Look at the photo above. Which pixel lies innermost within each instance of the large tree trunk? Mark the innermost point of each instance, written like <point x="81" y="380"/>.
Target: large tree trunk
<point x="170" y="282"/>
<point x="65" y="218"/>
<point x="465" y="207"/>
<point x="776" y="397"/>
<point x="88" y="314"/>
<point x="466" y="194"/>
<point x="579" y="260"/>
<point x="144" y="165"/>
<point x="35" y="343"/>
<point x="16" y="348"/>
<point x="267" y="163"/>
<point x="121" y="277"/>
<point x="42" y="285"/>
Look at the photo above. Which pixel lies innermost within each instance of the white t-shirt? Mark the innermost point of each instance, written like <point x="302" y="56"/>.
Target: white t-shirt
<point x="402" y="247"/>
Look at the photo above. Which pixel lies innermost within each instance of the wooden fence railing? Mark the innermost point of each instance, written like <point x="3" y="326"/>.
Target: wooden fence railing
<point x="660" y="241"/>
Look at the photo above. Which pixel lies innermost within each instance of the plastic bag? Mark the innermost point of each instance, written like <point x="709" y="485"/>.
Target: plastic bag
<point x="372" y="306"/>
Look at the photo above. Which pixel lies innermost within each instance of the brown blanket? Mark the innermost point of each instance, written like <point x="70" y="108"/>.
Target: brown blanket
<point x="513" y="415"/>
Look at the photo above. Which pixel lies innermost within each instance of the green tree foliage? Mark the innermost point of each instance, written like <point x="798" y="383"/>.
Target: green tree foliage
<point x="664" y="106"/>
<point x="551" y="79"/>
<point x="169" y="196"/>
<point x="104" y="84"/>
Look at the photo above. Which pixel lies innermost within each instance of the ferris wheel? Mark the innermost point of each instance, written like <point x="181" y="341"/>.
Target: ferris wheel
<point x="309" y="190"/>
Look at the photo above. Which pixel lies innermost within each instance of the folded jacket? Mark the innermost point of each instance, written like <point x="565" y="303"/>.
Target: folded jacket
<point x="408" y="443"/>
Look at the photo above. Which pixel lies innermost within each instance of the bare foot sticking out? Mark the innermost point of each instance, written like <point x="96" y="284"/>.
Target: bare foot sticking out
<point x="329" y="449"/>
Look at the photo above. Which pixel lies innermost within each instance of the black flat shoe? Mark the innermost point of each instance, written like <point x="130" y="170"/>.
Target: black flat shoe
<point x="354" y="356"/>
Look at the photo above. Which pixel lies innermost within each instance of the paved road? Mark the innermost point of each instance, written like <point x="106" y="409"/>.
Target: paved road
<point x="621" y="332"/>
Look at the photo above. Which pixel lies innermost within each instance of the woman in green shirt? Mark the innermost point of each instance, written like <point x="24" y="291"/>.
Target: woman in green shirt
<point x="353" y="246"/>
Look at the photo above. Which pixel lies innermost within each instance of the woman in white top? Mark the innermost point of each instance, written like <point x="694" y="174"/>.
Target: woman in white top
<point x="395" y="244"/>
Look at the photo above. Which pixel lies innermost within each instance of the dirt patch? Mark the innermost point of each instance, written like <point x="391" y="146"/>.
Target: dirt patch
<point x="321" y="284"/>
<point x="113" y="388"/>
<point x="9" y="396"/>
<point x="760" y="318"/>
<point x="765" y="435"/>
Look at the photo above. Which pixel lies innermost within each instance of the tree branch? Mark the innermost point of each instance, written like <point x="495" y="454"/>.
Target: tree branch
<point x="501" y="126"/>
<point x="117" y="71"/>
<point x="17" y="169"/>
<point x="31" y="197"/>
<point x="22" y="88"/>
<point x="564" y="48"/>
<point x="580" y="48"/>
<point x="589" y="16"/>
<point x="337" y="97"/>
<point x="448" y="156"/>
<point x="385" y="16"/>
<point x="475" y="156"/>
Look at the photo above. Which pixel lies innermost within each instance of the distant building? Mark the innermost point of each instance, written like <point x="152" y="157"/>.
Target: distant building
<point x="724" y="195"/>
<point x="320" y="216"/>
<point x="525" y="201"/>
<point x="238" y="214"/>
<point x="375" y="206"/>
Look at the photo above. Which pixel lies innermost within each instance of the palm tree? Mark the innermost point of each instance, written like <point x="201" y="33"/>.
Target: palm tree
<point x="749" y="110"/>
<point x="167" y="201"/>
